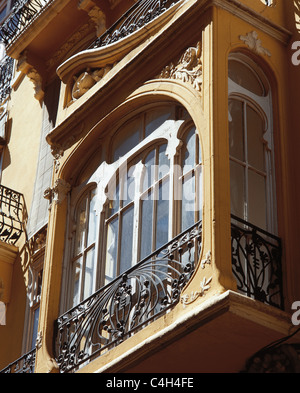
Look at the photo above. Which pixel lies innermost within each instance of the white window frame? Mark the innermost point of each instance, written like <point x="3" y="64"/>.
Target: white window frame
<point x="170" y="133"/>
<point x="263" y="106"/>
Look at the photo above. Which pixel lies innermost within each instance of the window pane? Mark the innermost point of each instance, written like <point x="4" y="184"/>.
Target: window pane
<point x="188" y="202"/>
<point x="149" y="170"/>
<point x="92" y="219"/>
<point x="35" y="327"/>
<point x="155" y="118"/>
<point x="126" y="239"/>
<point x="80" y="227"/>
<point x="146" y="226"/>
<point x="128" y="187"/>
<point x="77" y="273"/>
<point x="162" y="215"/>
<point x="257" y="199"/>
<point x="255" y="130"/>
<point x="237" y="189"/>
<point x="89" y="273"/>
<point x="236" y="130"/>
<point x="245" y="77"/>
<point x="163" y="162"/>
<point x="111" y="250"/>
<point x="127" y="138"/>
<point x="189" y="159"/>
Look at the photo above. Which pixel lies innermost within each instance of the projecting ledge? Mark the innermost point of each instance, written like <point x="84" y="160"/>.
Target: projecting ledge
<point x="229" y="324"/>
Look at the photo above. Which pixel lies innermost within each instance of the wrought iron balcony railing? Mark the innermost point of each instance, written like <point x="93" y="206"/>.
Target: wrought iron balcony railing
<point x="23" y="14"/>
<point x="11" y="215"/>
<point x="128" y="303"/>
<point x="256" y="262"/>
<point x="141" y="13"/>
<point x="6" y="73"/>
<point x="24" y="365"/>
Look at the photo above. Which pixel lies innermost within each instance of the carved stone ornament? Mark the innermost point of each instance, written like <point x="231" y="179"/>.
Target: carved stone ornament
<point x="207" y="260"/>
<point x="95" y="13"/>
<point x="86" y="80"/>
<point x="33" y="75"/>
<point x="57" y="152"/>
<point x="188" y="68"/>
<point x="204" y="286"/>
<point x="39" y="340"/>
<point x="254" y="43"/>
<point x="58" y="193"/>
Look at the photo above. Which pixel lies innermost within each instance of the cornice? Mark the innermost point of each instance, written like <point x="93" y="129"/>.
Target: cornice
<point x="247" y="14"/>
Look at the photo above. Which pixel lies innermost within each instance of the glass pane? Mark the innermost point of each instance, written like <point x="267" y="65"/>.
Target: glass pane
<point x="89" y="273"/>
<point x="163" y="161"/>
<point x="149" y="172"/>
<point x="114" y="198"/>
<point x="237" y="189"/>
<point x="162" y="215"/>
<point x="155" y="119"/>
<point x="77" y="274"/>
<point x="146" y="226"/>
<point x="128" y="187"/>
<point x="188" y="202"/>
<point x="36" y="314"/>
<point x="257" y="200"/>
<point x="127" y="138"/>
<point x="111" y="250"/>
<point x="189" y="159"/>
<point x="92" y="219"/>
<point x="80" y="227"/>
<point x="236" y="130"/>
<point x="245" y="77"/>
<point x="255" y="130"/>
<point x="126" y="240"/>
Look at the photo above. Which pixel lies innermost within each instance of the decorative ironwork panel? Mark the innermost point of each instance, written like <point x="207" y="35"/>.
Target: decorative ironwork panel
<point x="11" y="215"/>
<point x="23" y="13"/>
<point x="6" y="72"/>
<point x="24" y="365"/>
<point x="141" y="13"/>
<point x="256" y="262"/>
<point x="128" y="303"/>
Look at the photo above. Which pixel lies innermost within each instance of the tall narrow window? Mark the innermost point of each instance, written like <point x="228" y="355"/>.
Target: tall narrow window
<point x="251" y="145"/>
<point x="83" y="263"/>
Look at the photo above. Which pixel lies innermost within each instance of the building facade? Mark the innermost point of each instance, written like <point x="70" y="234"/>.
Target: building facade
<point x="149" y="187"/>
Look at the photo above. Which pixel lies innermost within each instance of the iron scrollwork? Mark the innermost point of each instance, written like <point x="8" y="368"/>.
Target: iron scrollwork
<point x="11" y="211"/>
<point x="141" y="13"/>
<point x="128" y="303"/>
<point x="256" y="262"/>
<point x="24" y="365"/>
<point x="23" y="13"/>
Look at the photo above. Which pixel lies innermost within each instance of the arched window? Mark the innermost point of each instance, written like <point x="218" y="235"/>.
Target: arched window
<point x="152" y="190"/>
<point x="252" y="177"/>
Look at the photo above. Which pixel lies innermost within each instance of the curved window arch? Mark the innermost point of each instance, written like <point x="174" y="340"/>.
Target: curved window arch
<point x="153" y="192"/>
<point x="251" y="147"/>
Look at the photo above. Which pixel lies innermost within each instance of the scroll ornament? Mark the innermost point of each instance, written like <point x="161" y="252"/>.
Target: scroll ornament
<point x="188" y="68"/>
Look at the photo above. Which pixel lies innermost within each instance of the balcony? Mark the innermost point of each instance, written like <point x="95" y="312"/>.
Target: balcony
<point x="23" y="14"/>
<point x="256" y="262"/>
<point x="11" y="215"/>
<point x="128" y="303"/>
<point x="24" y="365"/>
<point x="6" y="72"/>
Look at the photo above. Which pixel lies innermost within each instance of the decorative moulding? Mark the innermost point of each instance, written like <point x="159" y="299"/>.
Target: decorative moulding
<point x="98" y="61"/>
<point x="254" y="43"/>
<point x="188" y="68"/>
<point x="204" y="286"/>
